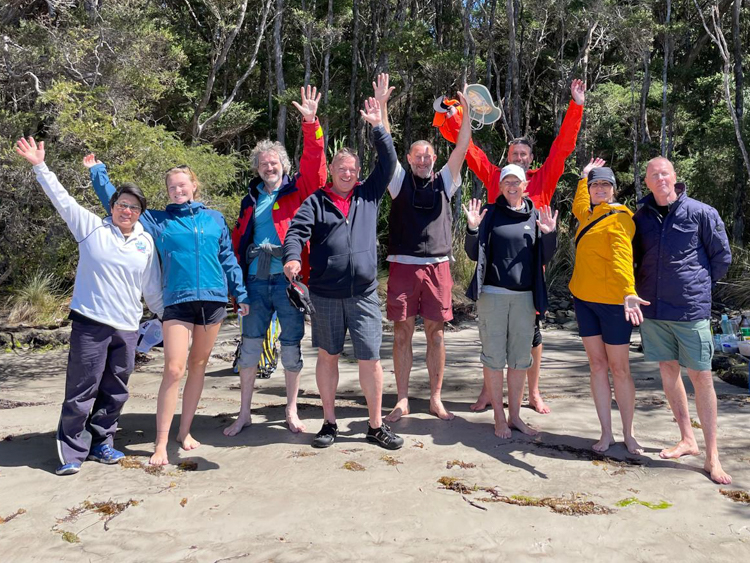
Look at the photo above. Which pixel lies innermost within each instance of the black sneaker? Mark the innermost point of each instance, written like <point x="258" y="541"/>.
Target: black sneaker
<point x="384" y="436"/>
<point x="327" y="435"/>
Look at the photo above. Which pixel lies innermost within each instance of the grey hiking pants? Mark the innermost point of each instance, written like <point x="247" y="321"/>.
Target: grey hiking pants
<point x="100" y="361"/>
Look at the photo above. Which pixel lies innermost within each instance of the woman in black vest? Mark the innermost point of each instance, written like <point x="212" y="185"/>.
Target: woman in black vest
<point x="511" y="241"/>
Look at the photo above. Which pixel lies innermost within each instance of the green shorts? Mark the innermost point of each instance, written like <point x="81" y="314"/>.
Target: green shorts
<point x="688" y="342"/>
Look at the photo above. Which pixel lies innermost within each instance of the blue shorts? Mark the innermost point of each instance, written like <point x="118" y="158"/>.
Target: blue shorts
<point x="600" y="319"/>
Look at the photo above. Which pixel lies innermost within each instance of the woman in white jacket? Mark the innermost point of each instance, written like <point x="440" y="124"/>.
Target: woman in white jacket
<point x="117" y="264"/>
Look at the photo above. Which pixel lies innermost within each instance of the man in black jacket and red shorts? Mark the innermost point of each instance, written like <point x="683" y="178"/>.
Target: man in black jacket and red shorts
<point x="340" y="222"/>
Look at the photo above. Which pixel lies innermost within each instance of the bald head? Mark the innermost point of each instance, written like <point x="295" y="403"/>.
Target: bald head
<point x="661" y="180"/>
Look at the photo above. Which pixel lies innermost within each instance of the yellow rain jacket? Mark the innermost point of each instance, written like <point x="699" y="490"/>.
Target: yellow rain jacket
<point x="603" y="271"/>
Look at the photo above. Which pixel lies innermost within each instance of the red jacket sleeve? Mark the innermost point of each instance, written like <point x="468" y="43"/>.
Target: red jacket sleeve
<point x="543" y="183"/>
<point x="312" y="164"/>
<point x="476" y="159"/>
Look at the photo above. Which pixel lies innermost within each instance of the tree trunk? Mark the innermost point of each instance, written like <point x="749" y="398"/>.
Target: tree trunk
<point x="278" y="63"/>
<point x="354" y="70"/>
<point x="514" y="103"/>
<point x="740" y="185"/>
<point x="664" y="80"/>
<point x="490" y="46"/>
<point x="645" y="136"/>
<point x="327" y="73"/>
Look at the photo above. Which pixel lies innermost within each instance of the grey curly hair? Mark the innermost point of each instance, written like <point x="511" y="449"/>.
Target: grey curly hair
<point x="265" y="146"/>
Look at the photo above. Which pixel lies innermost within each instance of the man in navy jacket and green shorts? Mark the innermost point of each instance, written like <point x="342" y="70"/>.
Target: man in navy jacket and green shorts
<point x="681" y="250"/>
<point x="340" y="222"/>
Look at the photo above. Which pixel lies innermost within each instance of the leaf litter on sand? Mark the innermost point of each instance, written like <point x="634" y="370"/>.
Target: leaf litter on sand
<point x="69" y="537"/>
<point x="390" y="460"/>
<point x="187" y="465"/>
<point x="131" y="462"/>
<point x="183" y="502"/>
<point x="10" y="517"/>
<point x="653" y="506"/>
<point x="353" y="466"/>
<point x="573" y="506"/>
<point x="459" y="463"/>
<point x="736" y="495"/>
<point x="107" y="510"/>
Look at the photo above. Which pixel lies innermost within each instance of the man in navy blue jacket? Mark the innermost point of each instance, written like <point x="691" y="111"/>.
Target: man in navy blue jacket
<point x="681" y="250"/>
<point x="340" y="222"/>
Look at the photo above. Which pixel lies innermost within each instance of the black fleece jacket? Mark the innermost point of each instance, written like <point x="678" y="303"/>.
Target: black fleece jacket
<point x="515" y="257"/>
<point x="343" y="253"/>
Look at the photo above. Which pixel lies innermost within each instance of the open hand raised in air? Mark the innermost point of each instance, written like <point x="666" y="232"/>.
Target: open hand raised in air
<point x="309" y="107"/>
<point x="474" y="213"/>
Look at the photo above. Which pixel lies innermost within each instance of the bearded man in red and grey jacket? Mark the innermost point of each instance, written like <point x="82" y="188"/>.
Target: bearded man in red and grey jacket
<point x="267" y="210"/>
<point x="340" y="223"/>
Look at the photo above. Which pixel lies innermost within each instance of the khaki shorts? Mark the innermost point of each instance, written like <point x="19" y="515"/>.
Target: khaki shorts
<point x="688" y="342"/>
<point x="506" y="328"/>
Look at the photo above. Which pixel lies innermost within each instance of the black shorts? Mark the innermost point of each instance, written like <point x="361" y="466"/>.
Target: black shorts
<point x="537" y="341"/>
<point x="196" y="312"/>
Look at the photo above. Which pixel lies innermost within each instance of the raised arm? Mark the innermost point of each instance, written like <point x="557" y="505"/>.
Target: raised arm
<point x="457" y="157"/>
<point x="382" y="93"/>
<point x="378" y="180"/>
<point x="543" y="188"/>
<point x="80" y="221"/>
<point x="474" y="216"/>
<point x="476" y="159"/>
<point x="312" y="165"/>
<point x="105" y="190"/>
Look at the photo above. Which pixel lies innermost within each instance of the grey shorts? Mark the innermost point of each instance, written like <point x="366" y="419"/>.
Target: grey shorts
<point x="506" y="329"/>
<point x="360" y="315"/>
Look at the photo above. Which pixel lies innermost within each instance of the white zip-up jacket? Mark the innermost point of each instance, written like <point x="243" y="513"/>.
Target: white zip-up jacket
<point x="113" y="271"/>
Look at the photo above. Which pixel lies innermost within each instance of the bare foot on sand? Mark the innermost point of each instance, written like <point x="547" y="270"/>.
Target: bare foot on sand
<point x="520" y="425"/>
<point x="604" y="443"/>
<point x="683" y="447"/>
<point x="502" y="430"/>
<point x="188" y="442"/>
<point x="437" y="408"/>
<point x="482" y="403"/>
<point x="159" y="457"/>
<point x="237" y="426"/>
<point x="537" y="403"/>
<point x="401" y="409"/>
<point x="633" y="446"/>
<point x="718" y="475"/>
<point x="293" y="421"/>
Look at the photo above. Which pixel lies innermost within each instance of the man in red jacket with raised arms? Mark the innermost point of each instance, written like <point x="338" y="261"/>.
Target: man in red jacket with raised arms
<point x="541" y="188"/>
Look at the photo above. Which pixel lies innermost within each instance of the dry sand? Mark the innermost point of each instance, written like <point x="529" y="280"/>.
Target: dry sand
<point x="266" y="495"/>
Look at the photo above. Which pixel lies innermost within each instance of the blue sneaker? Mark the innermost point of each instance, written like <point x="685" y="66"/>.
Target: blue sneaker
<point x="68" y="469"/>
<point x="104" y="453"/>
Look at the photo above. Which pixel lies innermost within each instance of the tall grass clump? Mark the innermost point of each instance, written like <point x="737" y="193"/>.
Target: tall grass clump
<point x="41" y="300"/>
<point x="734" y="289"/>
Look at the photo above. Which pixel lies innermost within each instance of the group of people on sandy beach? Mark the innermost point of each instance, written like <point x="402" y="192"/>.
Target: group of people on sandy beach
<point x="654" y="268"/>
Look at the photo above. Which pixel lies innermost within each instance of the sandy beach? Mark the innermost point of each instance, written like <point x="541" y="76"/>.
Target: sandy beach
<point x="266" y="495"/>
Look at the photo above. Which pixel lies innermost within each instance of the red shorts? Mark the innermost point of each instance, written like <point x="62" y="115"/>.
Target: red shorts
<point x="420" y="289"/>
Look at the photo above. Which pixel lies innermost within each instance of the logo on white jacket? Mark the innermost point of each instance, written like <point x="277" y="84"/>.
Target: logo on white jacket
<point x="140" y="246"/>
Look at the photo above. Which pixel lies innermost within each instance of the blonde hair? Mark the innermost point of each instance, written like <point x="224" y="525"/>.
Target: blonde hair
<point x="184" y="169"/>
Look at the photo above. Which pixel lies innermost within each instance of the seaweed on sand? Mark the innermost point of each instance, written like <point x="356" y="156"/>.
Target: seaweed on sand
<point x="653" y="506"/>
<point x="459" y="463"/>
<point x="9" y="518"/>
<point x="390" y="460"/>
<point x="573" y="506"/>
<point x="736" y="495"/>
<point x="353" y="466"/>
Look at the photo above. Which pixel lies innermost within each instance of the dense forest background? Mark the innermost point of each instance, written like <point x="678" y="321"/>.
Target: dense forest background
<point x="151" y="84"/>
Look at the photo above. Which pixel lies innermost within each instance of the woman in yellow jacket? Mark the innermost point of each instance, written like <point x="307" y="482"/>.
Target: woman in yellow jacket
<point x="606" y="304"/>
